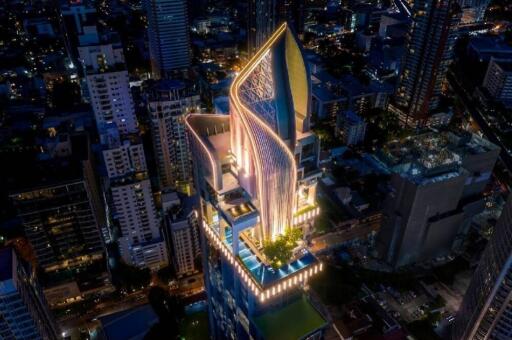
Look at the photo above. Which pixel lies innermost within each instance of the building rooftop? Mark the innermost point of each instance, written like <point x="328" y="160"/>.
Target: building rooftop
<point x="178" y="206"/>
<point x="420" y="156"/>
<point x="129" y="324"/>
<point x="294" y="321"/>
<point x="33" y="171"/>
<point x="265" y="274"/>
<point x="353" y="321"/>
<point x="213" y="137"/>
<point x="432" y="156"/>
<point x="324" y="77"/>
<point x="466" y="143"/>
<point x="353" y="85"/>
<point x="489" y="43"/>
<point x="170" y="89"/>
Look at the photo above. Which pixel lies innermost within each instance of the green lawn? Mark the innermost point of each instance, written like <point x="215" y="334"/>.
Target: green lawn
<point x="291" y="322"/>
<point x="195" y="326"/>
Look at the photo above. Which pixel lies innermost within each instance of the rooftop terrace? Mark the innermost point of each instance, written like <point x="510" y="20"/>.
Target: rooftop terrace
<point x="431" y="156"/>
<point x="426" y="156"/>
<point x="264" y="274"/>
<point x="294" y="321"/>
<point x="264" y="281"/>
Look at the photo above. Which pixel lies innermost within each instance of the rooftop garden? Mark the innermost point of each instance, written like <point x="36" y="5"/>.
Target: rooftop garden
<point x="280" y="251"/>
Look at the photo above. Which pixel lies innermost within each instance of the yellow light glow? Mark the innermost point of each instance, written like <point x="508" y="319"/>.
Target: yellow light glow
<point x="245" y="114"/>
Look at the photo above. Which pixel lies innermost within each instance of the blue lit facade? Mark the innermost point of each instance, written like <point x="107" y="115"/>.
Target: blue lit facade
<point x="168" y="36"/>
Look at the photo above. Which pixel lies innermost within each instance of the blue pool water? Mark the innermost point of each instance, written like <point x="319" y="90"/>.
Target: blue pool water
<point x="266" y="275"/>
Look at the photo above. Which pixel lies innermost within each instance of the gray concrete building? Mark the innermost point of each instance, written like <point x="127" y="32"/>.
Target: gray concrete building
<point x="436" y="185"/>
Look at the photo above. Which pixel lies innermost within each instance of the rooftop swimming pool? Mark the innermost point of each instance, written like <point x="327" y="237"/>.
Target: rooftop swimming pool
<point x="265" y="275"/>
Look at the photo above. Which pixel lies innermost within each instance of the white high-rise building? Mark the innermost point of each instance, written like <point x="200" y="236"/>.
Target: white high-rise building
<point x="130" y="197"/>
<point x="109" y="86"/>
<point x="125" y="158"/>
<point x="131" y="203"/>
<point x="169" y="101"/>
<point x="182" y="232"/>
<point x="140" y="243"/>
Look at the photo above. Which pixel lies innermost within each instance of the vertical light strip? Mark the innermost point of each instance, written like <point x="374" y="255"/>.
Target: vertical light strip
<point x="281" y="203"/>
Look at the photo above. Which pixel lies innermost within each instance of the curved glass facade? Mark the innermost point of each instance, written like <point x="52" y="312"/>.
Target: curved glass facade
<point x="256" y="171"/>
<point x="268" y="98"/>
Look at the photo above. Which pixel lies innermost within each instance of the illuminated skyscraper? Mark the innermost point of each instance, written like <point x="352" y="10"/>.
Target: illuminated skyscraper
<point x="428" y="53"/>
<point x="265" y="15"/>
<point x="486" y="311"/>
<point x="169" y="41"/>
<point x="256" y="172"/>
<point x="261" y="21"/>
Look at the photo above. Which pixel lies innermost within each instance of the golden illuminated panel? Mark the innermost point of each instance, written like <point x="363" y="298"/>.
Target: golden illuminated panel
<point x="299" y="82"/>
<point x="197" y="124"/>
<point x="264" y="151"/>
